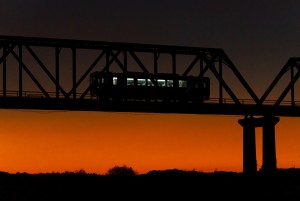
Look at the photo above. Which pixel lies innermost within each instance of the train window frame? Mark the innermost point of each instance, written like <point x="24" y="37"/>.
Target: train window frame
<point x="150" y="83"/>
<point x="115" y="80"/>
<point x="182" y="83"/>
<point x="170" y="83"/>
<point x="129" y="81"/>
<point x="161" y="82"/>
<point x="141" y="82"/>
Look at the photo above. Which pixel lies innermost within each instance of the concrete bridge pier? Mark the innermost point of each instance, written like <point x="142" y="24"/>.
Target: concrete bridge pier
<point x="269" y="162"/>
<point x="269" y="144"/>
<point x="249" y="147"/>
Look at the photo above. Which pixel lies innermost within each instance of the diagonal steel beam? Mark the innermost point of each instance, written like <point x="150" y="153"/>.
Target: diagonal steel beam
<point x="86" y="73"/>
<point x="142" y="66"/>
<point x="121" y="65"/>
<point x="138" y="61"/>
<point x="240" y="77"/>
<point x="7" y="52"/>
<point x="113" y="58"/>
<point x="190" y="67"/>
<point x="42" y="65"/>
<point x="226" y="87"/>
<point x="276" y="80"/>
<point x="287" y="89"/>
<point x="102" y="71"/>
<point x="31" y="75"/>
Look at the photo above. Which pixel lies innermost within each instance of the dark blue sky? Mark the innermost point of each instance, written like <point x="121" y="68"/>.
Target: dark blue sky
<point x="258" y="36"/>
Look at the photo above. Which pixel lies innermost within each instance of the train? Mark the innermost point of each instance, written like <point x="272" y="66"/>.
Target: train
<point x="140" y="86"/>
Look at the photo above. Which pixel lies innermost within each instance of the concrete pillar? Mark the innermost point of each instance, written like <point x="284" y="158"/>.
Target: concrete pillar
<point x="249" y="145"/>
<point x="269" y="162"/>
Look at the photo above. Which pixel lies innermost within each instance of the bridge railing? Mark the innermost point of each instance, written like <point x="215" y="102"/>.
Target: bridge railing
<point x="250" y="102"/>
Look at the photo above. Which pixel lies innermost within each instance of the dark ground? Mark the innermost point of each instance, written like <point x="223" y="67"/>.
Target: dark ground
<point x="155" y="185"/>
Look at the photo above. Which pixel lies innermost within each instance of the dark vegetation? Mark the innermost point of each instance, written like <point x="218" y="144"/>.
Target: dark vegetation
<point x="124" y="183"/>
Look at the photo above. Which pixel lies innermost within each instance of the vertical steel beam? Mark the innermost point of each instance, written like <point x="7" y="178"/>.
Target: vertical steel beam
<point x="201" y="68"/>
<point x="155" y="63"/>
<point x="4" y="71"/>
<point x="20" y="71"/>
<point x="125" y="61"/>
<point x="74" y="71"/>
<point x="174" y="63"/>
<point x="213" y="69"/>
<point x="57" y="52"/>
<point x="220" y="83"/>
<point x="107" y="61"/>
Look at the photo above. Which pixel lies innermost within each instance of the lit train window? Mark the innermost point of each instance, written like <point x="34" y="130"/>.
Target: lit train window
<point x="169" y="83"/>
<point x="161" y="83"/>
<point x="149" y="82"/>
<point x="115" y="80"/>
<point x="130" y="81"/>
<point x="141" y="82"/>
<point x="182" y="83"/>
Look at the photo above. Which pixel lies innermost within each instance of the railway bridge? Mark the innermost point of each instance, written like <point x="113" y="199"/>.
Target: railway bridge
<point x="53" y="74"/>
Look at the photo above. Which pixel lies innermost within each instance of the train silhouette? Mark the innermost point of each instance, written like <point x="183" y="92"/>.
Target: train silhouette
<point x="139" y="86"/>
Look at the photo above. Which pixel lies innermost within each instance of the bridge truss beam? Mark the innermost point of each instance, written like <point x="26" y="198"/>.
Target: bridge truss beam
<point x="26" y="50"/>
<point x="291" y="65"/>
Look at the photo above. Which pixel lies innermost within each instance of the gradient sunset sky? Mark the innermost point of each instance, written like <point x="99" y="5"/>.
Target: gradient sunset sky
<point x="258" y="36"/>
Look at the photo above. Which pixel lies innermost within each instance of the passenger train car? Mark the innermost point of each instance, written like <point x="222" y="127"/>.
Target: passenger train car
<point x="138" y="86"/>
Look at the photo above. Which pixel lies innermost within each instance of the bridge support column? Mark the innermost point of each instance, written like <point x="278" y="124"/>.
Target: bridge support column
<point x="269" y="163"/>
<point x="269" y="145"/>
<point x="249" y="145"/>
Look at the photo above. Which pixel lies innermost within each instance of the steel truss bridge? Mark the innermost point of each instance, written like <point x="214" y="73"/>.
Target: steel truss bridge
<point x="53" y="74"/>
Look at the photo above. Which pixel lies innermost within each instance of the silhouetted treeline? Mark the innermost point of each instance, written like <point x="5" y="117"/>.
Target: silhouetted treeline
<point x="124" y="183"/>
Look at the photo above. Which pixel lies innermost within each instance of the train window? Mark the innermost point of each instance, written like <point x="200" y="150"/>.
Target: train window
<point x="149" y="82"/>
<point x="115" y="80"/>
<point x="161" y="82"/>
<point x="182" y="83"/>
<point x="130" y="81"/>
<point x="169" y="83"/>
<point x="204" y="85"/>
<point x="141" y="82"/>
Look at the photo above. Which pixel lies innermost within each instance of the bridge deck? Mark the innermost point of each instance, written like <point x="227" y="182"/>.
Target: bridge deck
<point x="210" y="107"/>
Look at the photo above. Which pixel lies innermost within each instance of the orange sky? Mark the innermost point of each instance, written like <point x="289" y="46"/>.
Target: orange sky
<point x="58" y="141"/>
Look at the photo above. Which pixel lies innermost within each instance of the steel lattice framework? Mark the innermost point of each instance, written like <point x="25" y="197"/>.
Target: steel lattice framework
<point x="25" y="53"/>
<point x="292" y="65"/>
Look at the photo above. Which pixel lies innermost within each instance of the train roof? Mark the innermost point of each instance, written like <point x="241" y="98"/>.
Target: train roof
<point x="134" y="74"/>
<point x="141" y="74"/>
